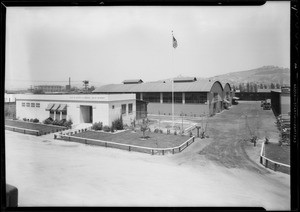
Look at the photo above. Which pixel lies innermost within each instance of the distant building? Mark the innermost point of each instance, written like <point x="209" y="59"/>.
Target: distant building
<point x="281" y="101"/>
<point x="192" y="97"/>
<point x="49" y="88"/>
<point x="9" y="98"/>
<point x="261" y="94"/>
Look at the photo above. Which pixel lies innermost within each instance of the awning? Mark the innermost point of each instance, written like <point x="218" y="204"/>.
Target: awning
<point x="50" y="105"/>
<point x="62" y="107"/>
<point x="235" y="97"/>
<point x="54" y="108"/>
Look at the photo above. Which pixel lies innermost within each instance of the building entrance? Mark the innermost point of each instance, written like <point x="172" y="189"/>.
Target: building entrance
<point x="86" y="114"/>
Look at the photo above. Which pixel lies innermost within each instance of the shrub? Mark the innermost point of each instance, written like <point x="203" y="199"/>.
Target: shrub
<point x="97" y="126"/>
<point x="68" y="123"/>
<point x="175" y="132"/>
<point x="31" y="120"/>
<point x="48" y="121"/>
<point x="118" y="124"/>
<point x="106" y="128"/>
<point x="156" y="130"/>
<point x="168" y="131"/>
<point x="55" y="122"/>
<point x="112" y="130"/>
<point x="24" y="119"/>
<point x="35" y="120"/>
<point x="61" y="122"/>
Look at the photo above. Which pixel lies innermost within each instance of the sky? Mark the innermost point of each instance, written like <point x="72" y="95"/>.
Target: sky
<point x="47" y="45"/>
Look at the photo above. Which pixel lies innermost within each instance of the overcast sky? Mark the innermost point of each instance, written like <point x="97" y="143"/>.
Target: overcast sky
<point x="110" y="44"/>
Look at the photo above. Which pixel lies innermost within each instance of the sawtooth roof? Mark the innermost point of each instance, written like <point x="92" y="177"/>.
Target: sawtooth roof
<point x="196" y="86"/>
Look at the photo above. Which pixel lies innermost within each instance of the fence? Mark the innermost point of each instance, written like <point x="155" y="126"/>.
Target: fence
<point x="33" y="132"/>
<point x="150" y="150"/>
<point x="22" y="130"/>
<point x="271" y="164"/>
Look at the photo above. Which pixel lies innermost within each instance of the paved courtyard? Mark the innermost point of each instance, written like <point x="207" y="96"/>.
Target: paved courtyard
<point x="221" y="170"/>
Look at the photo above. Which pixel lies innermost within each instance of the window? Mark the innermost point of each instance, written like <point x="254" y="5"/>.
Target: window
<point x="138" y="95"/>
<point x="151" y="97"/>
<point x="32" y="104"/>
<point x="167" y="97"/>
<point x="27" y="104"/>
<point x="195" y="98"/>
<point x="23" y="104"/>
<point x="123" y="109"/>
<point x="37" y="105"/>
<point x="129" y="108"/>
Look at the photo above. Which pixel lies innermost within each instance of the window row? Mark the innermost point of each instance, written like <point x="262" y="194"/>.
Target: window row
<point x="123" y="108"/>
<point x="190" y="97"/>
<point x="32" y="104"/>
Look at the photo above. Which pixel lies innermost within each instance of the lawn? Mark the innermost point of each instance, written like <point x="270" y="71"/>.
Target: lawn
<point x="279" y="154"/>
<point x="43" y="129"/>
<point x="157" y="140"/>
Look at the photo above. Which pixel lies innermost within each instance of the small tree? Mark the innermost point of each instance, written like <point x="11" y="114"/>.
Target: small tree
<point x="144" y="127"/>
<point x="118" y="124"/>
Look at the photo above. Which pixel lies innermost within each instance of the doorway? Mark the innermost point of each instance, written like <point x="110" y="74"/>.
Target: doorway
<point x="86" y="114"/>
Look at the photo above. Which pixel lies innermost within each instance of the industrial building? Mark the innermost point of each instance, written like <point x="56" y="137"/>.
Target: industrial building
<point x="192" y="96"/>
<point x="281" y="101"/>
<point x="87" y="108"/>
<point x="49" y="88"/>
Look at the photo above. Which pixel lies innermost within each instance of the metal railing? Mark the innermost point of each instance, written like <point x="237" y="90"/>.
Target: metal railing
<point x="129" y="147"/>
<point x="267" y="162"/>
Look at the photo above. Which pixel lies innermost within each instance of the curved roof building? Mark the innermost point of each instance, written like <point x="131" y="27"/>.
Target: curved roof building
<point x="192" y="97"/>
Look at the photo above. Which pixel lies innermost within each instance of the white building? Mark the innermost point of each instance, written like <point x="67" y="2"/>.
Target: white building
<point x="9" y="98"/>
<point x="87" y="108"/>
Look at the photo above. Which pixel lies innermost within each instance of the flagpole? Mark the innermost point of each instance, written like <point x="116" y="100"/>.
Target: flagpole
<point x="173" y="86"/>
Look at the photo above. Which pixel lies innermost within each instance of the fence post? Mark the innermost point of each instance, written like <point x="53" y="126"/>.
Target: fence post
<point x="129" y="148"/>
<point x="85" y="141"/>
<point x="69" y="138"/>
<point x="275" y="167"/>
<point x="179" y="149"/>
<point x="152" y="152"/>
<point x="173" y="150"/>
<point x="260" y="159"/>
<point x="163" y="151"/>
<point x="105" y="144"/>
<point x="266" y="163"/>
<point x="24" y="131"/>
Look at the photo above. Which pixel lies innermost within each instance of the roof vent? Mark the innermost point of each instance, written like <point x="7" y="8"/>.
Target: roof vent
<point x="133" y="81"/>
<point x="185" y="79"/>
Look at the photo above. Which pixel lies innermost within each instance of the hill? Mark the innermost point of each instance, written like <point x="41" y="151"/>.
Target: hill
<point x="264" y="75"/>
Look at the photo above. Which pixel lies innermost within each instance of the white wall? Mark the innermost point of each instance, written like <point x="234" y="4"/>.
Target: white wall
<point x="32" y="112"/>
<point x="116" y="112"/>
<point x="101" y="106"/>
<point x="9" y="97"/>
<point x="100" y="113"/>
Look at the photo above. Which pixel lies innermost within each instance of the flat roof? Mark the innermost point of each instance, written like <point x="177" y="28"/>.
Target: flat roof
<point x="76" y="97"/>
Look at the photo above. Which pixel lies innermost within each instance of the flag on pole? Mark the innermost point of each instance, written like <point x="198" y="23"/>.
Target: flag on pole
<point x="174" y="42"/>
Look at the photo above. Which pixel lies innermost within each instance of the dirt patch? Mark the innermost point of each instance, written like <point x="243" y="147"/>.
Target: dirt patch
<point x="230" y="132"/>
